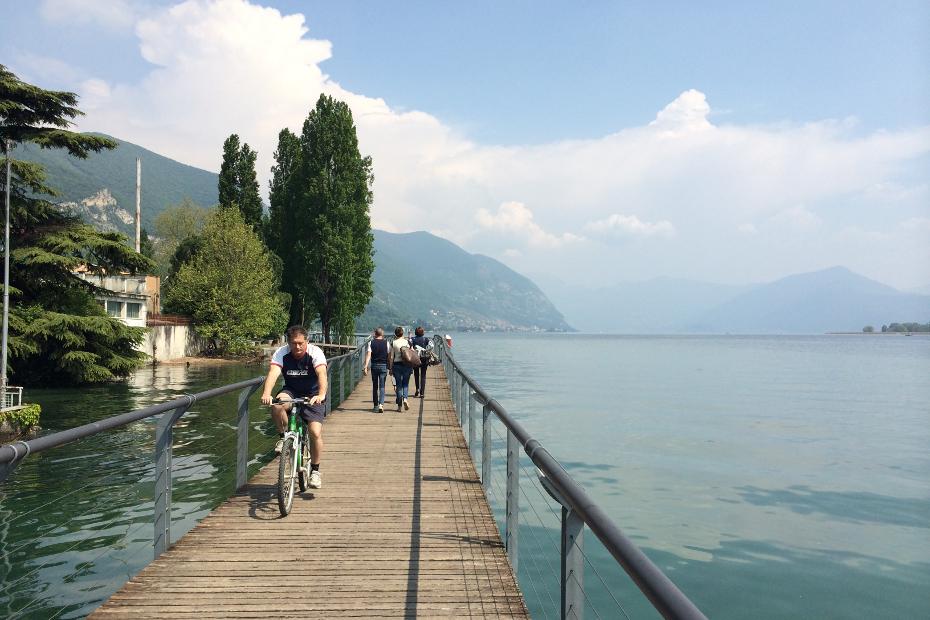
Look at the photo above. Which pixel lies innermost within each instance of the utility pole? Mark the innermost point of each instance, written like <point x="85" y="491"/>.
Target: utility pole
<point x="6" y="276"/>
<point x="138" y="204"/>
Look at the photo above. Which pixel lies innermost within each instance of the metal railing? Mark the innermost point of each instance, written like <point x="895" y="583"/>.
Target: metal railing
<point x="343" y="373"/>
<point x="578" y="510"/>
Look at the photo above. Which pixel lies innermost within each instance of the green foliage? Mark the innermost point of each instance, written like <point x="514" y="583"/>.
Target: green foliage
<point x="59" y="335"/>
<point x="172" y="227"/>
<point x="279" y="227"/>
<point x="868" y="329"/>
<point x="906" y="327"/>
<point x="146" y="246"/>
<point x="25" y="418"/>
<point x="238" y="183"/>
<point x="229" y="286"/>
<point x="321" y="218"/>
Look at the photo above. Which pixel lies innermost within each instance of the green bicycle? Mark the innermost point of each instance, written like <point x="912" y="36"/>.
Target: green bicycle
<point x="294" y="464"/>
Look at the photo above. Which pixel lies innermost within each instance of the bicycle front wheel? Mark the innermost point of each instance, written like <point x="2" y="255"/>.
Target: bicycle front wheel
<point x="303" y="473"/>
<point x="287" y="466"/>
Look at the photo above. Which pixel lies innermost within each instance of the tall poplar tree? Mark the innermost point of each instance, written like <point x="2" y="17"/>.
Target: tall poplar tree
<point x="228" y="183"/>
<point x="238" y="182"/>
<point x="59" y="334"/>
<point x="280" y="229"/>
<point x="332" y="247"/>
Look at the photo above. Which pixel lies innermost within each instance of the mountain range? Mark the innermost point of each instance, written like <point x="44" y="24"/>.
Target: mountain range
<point x="421" y="278"/>
<point x="834" y="299"/>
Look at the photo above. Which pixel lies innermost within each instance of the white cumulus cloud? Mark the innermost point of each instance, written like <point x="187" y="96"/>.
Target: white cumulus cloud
<point x="231" y="66"/>
<point x="516" y="220"/>
<point x="631" y="225"/>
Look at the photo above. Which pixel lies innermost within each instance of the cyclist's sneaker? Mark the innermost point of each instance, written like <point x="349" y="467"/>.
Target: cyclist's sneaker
<point x="316" y="481"/>
<point x="278" y="446"/>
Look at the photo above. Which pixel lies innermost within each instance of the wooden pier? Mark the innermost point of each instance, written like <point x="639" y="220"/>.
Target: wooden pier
<point x="401" y="528"/>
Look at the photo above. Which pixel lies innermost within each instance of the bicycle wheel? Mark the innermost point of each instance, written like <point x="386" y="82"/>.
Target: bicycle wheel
<point x="286" y="466"/>
<point x="303" y="477"/>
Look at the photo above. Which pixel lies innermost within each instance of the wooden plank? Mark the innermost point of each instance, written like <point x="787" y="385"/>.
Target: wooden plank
<point x="401" y="528"/>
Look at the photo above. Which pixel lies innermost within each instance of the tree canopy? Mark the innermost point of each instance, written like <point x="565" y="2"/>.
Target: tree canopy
<point x="229" y="285"/>
<point x="238" y="182"/>
<point x="320" y="195"/>
<point x="174" y="225"/>
<point x="59" y="334"/>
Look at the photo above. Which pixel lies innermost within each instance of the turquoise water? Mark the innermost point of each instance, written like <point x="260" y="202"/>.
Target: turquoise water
<point x="770" y="477"/>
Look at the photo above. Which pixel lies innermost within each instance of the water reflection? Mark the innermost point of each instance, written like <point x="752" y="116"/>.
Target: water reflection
<point x="77" y="520"/>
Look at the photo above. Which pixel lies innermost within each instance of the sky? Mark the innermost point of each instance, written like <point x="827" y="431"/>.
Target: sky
<point x="591" y="143"/>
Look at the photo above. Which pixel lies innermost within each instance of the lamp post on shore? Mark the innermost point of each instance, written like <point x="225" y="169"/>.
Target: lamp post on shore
<point x="6" y="276"/>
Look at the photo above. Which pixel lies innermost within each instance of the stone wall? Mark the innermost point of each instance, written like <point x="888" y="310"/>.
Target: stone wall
<point x="169" y="342"/>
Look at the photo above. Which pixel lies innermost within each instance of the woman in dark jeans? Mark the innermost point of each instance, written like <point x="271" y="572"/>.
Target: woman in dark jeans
<point x="422" y="344"/>
<point x="377" y="359"/>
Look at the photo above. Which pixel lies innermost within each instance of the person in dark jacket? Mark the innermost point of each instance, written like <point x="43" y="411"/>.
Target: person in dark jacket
<point x="376" y="359"/>
<point x="422" y="345"/>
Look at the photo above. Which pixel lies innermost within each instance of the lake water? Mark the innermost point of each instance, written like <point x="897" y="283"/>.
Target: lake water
<point x="770" y="477"/>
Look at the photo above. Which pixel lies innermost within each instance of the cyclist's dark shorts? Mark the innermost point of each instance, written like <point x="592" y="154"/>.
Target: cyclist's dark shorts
<point x="310" y="413"/>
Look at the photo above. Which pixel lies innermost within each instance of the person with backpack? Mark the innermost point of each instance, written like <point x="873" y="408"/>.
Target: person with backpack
<point x="422" y="345"/>
<point x="377" y="360"/>
<point x="400" y="367"/>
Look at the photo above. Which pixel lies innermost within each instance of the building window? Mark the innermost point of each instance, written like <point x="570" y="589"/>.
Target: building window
<point x="132" y="310"/>
<point x="115" y="308"/>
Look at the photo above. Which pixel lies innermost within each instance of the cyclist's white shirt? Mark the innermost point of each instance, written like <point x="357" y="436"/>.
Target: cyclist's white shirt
<point x="316" y="355"/>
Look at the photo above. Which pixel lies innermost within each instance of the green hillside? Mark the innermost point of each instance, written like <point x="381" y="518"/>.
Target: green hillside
<point x="419" y="278"/>
<point x="424" y="279"/>
<point x="164" y="182"/>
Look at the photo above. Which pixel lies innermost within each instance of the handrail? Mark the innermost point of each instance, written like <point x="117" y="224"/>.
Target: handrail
<point x="658" y="588"/>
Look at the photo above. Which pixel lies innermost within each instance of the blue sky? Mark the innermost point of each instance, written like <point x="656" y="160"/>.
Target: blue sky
<point x="597" y="141"/>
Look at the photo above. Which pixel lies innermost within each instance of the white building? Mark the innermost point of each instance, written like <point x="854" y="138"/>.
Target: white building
<point x="127" y="298"/>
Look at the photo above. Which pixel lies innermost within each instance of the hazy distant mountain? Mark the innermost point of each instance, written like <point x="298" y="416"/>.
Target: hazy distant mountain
<point x="103" y="186"/>
<point x="834" y="299"/>
<point x="421" y="278"/>
<point x="658" y="306"/>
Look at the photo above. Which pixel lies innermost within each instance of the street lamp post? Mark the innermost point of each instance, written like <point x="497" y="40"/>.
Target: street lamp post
<point x="6" y="277"/>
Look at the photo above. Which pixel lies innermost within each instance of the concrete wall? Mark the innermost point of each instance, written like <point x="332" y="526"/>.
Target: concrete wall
<point x="169" y="342"/>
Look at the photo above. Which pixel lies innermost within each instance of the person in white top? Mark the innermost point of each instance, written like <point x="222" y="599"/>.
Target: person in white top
<point x="399" y="368"/>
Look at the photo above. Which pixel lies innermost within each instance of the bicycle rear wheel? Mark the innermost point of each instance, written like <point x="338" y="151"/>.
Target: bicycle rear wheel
<point x="286" y="478"/>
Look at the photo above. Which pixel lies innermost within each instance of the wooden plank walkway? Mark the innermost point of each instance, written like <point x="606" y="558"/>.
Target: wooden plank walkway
<point x="400" y="528"/>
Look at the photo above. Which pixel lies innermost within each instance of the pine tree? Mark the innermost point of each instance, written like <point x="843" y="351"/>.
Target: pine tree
<point x="59" y="334"/>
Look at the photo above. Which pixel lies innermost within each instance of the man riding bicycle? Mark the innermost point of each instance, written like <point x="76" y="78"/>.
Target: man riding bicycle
<point x="304" y="368"/>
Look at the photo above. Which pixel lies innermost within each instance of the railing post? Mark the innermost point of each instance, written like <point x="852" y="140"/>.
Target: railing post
<point x="329" y="389"/>
<point x="572" y="565"/>
<point x="486" y="449"/>
<point x="513" y="499"/>
<point x="163" y="442"/>
<point x="463" y="401"/>
<point x="472" y="427"/>
<point x="242" y="437"/>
